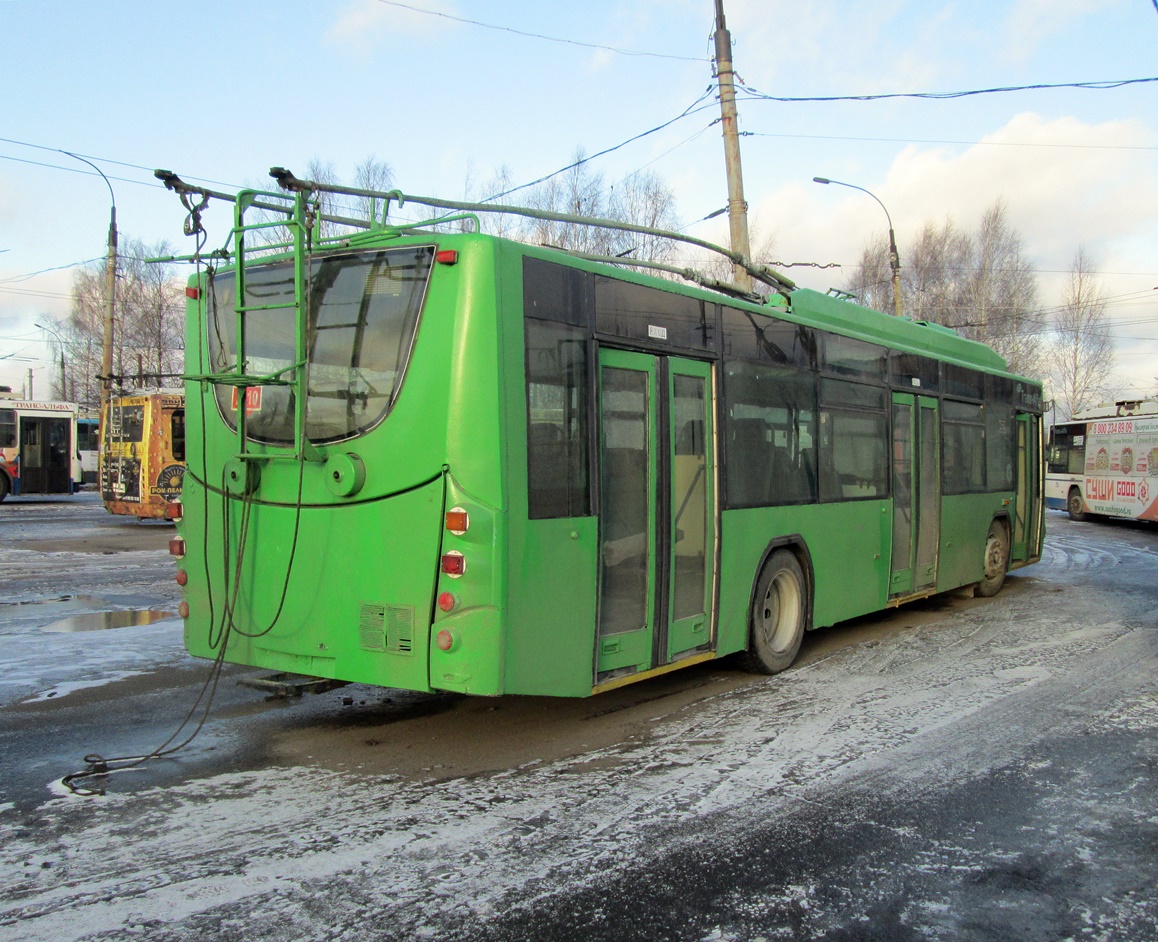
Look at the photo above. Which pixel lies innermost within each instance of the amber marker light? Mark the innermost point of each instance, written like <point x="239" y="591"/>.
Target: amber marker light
<point x="183" y="609"/>
<point x="457" y="521"/>
<point x="173" y="510"/>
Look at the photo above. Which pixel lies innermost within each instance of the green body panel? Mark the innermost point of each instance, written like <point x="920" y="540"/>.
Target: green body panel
<point x="965" y="520"/>
<point x="551" y="603"/>
<point x="834" y="534"/>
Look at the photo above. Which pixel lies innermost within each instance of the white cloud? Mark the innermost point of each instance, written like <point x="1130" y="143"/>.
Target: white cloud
<point x="1057" y="197"/>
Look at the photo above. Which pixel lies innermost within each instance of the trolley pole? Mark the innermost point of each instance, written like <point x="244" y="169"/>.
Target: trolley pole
<point x="737" y="206"/>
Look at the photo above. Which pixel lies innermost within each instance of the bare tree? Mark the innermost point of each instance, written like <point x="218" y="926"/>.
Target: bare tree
<point x="1081" y="355"/>
<point x="148" y="325"/>
<point x="980" y="284"/>
<point x="372" y="174"/>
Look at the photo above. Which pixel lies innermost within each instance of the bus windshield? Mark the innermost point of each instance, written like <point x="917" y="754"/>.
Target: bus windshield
<point x="363" y="311"/>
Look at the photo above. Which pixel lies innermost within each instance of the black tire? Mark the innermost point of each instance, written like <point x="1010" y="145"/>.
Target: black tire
<point x="996" y="560"/>
<point x="3" y="485"/>
<point x="1074" y="505"/>
<point x="776" y="621"/>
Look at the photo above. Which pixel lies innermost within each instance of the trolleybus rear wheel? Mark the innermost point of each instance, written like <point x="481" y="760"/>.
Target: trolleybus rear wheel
<point x="3" y="486"/>
<point x="1074" y="505"/>
<point x="777" y="617"/>
<point x="996" y="560"/>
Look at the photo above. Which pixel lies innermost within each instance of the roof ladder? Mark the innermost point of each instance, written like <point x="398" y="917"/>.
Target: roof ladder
<point x="299" y="221"/>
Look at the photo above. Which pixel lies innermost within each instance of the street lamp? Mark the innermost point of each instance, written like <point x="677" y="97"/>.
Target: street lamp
<point x="106" y="377"/>
<point x="894" y="255"/>
<point x="60" y="343"/>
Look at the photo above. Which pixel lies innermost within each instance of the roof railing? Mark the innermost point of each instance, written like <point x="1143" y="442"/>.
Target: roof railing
<point x="195" y="198"/>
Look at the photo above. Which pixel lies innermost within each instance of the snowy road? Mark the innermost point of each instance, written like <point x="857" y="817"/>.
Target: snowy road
<point x="956" y="769"/>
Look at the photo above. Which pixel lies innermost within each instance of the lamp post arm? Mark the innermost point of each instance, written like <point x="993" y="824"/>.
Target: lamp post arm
<point x="894" y="254"/>
<point x="110" y="285"/>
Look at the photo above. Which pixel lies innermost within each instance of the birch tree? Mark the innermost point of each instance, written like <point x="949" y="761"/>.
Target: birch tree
<point x="1081" y="354"/>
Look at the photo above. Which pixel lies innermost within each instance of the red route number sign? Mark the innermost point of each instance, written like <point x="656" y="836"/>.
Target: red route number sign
<point x="252" y="399"/>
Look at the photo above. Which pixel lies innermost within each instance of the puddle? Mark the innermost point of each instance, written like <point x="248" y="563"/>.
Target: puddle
<point x="98" y="621"/>
<point x="84" y="620"/>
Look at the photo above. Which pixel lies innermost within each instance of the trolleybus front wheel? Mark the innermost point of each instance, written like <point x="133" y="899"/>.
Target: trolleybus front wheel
<point x="777" y="617"/>
<point x="1074" y="505"/>
<point x="996" y="560"/>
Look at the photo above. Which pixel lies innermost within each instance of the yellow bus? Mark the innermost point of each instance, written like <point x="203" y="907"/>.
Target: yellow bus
<point x="142" y="452"/>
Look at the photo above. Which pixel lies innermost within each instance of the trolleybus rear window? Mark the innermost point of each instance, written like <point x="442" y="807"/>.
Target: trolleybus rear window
<point x="363" y="311"/>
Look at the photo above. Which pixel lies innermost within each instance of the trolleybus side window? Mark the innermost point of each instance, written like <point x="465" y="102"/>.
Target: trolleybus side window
<point x="7" y="428"/>
<point x="636" y="312"/>
<point x="557" y="461"/>
<point x="963" y="435"/>
<point x="770" y="435"/>
<point x="844" y="356"/>
<point x="853" y="441"/>
<point x="127" y="423"/>
<point x="759" y="337"/>
<point x="364" y="311"/>
<point x="910" y="371"/>
<point x="557" y="304"/>
<point x="1067" y="453"/>
<point x="1000" y="438"/>
<point x="962" y="382"/>
<point x="178" y="435"/>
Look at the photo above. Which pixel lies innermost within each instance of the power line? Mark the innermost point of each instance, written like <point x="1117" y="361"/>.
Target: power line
<point x="753" y="93"/>
<point x="553" y="39"/>
<point x="44" y="271"/>
<point x="689" y="110"/>
<point x="87" y="173"/>
<point x="908" y="140"/>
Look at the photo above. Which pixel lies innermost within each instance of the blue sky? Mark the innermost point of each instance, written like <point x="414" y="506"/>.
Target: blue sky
<point x="221" y="91"/>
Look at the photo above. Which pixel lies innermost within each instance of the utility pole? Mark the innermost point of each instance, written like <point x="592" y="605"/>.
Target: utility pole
<point x="737" y="207"/>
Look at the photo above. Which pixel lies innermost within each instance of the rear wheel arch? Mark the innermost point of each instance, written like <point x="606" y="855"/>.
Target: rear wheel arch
<point x="779" y="605"/>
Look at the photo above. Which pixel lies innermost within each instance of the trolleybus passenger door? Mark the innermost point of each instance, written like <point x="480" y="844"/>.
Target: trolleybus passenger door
<point x="916" y="493"/>
<point x="657" y="511"/>
<point x="1027" y="504"/>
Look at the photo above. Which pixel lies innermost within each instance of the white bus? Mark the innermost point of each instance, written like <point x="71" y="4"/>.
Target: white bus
<point x="37" y="447"/>
<point x="1104" y="462"/>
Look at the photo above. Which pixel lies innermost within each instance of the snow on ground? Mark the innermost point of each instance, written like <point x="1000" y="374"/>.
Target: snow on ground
<point x="308" y="847"/>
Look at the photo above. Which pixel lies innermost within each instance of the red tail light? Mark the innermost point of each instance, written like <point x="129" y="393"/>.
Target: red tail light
<point x="193" y="293"/>
<point x="446" y="257"/>
<point x="182" y="577"/>
<point x="453" y="564"/>
<point x="447" y="601"/>
<point x="177" y="547"/>
<point x="445" y="640"/>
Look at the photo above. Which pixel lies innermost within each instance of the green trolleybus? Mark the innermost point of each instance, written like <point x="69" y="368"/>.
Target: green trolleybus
<point x="443" y="460"/>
